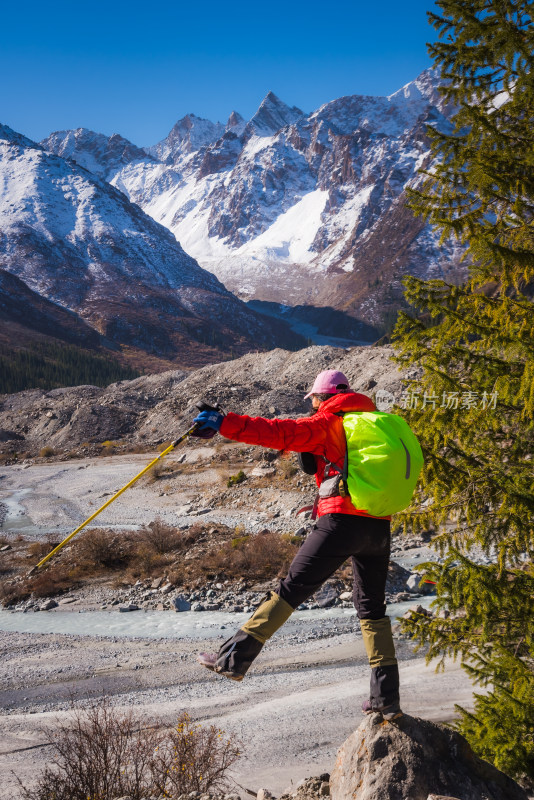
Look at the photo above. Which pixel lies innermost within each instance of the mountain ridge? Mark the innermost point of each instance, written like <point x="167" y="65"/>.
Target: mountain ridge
<point x="78" y="241"/>
<point x="281" y="210"/>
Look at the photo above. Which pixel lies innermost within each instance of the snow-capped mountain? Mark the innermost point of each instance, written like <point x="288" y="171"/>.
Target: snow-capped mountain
<point x="101" y="155"/>
<point x="81" y="243"/>
<point x="297" y="208"/>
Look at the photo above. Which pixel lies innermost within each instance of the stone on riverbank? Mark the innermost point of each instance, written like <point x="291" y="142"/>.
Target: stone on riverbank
<point x="413" y="758"/>
<point x="181" y="603"/>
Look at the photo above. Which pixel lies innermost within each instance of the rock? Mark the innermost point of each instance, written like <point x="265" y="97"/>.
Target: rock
<point x="156" y="583"/>
<point x="440" y="797"/>
<point x="197" y="607"/>
<point x="168" y="587"/>
<point x="345" y="596"/>
<point x="326" y="596"/>
<point x="4" y="548"/>
<point x="181" y="603"/>
<point x="397" y="577"/>
<point x="412" y="758"/>
<point x="262" y="472"/>
<point x="412" y="584"/>
<point x="264" y="794"/>
<point x="416" y="610"/>
<point x="66" y="600"/>
<point x="324" y="789"/>
<point x="129" y="607"/>
<point x="48" y="605"/>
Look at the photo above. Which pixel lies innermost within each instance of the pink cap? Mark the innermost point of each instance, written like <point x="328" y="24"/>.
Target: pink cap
<point x="327" y="382"/>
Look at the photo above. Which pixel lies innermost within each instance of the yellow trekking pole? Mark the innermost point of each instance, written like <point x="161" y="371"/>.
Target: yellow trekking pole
<point x="201" y="407"/>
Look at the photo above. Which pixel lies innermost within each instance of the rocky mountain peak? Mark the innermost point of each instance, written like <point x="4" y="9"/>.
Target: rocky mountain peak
<point x="272" y="115"/>
<point x="96" y="152"/>
<point x="9" y="136"/>
<point x="235" y="123"/>
<point x="421" y="92"/>
<point x="188" y="134"/>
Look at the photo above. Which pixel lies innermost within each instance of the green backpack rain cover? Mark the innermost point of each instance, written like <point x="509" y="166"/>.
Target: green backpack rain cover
<point x="384" y="461"/>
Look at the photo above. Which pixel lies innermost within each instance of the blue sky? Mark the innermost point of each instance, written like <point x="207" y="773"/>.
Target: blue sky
<point x="134" y="68"/>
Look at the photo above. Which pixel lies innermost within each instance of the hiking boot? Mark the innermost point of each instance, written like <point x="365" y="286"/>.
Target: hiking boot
<point x="389" y="713"/>
<point x="234" y="657"/>
<point x="209" y="660"/>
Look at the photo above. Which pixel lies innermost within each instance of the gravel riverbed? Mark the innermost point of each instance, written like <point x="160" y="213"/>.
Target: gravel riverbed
<point x="297" y="705"/>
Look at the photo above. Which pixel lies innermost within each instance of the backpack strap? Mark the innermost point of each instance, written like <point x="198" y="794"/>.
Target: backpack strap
<point x="345" y="471"/>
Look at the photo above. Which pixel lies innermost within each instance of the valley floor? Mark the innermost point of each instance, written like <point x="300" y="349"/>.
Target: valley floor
<point x="301" y="699"/>
<point x="298" y="704"/>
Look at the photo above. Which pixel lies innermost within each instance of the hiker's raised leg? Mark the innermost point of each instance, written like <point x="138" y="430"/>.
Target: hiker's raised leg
<point x="237" y="653"/>
<point x="317" y="559"/>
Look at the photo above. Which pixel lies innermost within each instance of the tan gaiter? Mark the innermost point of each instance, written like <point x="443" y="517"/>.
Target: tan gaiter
<point x="378" y="641"/>
<point x="267" y="618"/>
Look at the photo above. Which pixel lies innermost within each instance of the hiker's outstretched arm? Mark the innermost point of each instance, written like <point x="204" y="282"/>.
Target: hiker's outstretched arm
<point x="300" y="435"/>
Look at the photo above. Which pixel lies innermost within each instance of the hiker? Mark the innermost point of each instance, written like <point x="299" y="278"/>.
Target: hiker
<point x="341" y="531"/>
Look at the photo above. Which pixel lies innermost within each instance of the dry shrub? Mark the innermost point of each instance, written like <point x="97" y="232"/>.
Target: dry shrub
<point x="144" y="562"/>
<point x="39" y="550"/>
<point x="287" y="467"/>
<point x="258" y="557"/>
<point x="161" y="537"/>
<point x="13" y="593"/>
<point x="102" y="754"/>
<point x="154" y="473"/>
<point x="47" y="452"/>
<point x="192" y="758"/>
<point x="97" y="547"/>
<point x="52" y="580"/>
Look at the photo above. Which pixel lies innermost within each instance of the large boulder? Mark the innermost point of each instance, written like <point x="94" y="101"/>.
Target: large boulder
<point x="411" y="758"/>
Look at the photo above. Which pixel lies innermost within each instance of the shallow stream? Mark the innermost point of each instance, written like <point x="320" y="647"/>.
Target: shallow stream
<point x="169" y="625"/>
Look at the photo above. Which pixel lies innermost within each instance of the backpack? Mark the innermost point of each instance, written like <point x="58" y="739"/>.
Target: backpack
<point x="382" y="462"/>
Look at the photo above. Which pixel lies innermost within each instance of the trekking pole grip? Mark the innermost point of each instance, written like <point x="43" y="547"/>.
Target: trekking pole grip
<point x="203" y="406"/>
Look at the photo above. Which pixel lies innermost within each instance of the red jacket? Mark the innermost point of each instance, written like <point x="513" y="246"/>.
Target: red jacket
<point x="321" y="434"/>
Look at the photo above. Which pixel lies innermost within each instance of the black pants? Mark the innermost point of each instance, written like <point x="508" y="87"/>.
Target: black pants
<point x="334" y="539"/>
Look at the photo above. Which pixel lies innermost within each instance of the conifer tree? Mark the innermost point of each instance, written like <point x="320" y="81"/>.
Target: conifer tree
<point x="473" y="407"/>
